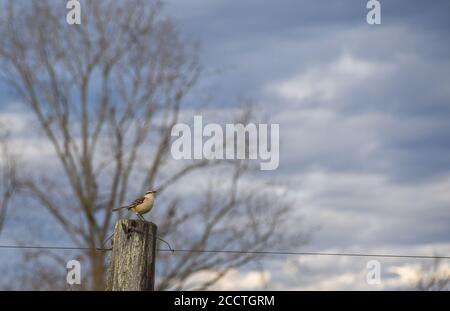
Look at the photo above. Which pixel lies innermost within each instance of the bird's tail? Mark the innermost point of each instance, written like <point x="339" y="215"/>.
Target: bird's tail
<point x="119" y="208"/>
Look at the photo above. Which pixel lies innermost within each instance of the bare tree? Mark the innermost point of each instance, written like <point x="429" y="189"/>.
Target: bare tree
<point x="433" y="277"/>
<point x="106" y="95"/>
<point x="8" y="177"/>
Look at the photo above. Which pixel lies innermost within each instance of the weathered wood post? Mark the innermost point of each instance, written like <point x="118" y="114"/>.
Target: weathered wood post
<point x="132" y="262"/>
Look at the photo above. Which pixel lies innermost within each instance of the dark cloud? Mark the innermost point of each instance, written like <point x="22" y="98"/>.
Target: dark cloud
<point x="375" y="128"/>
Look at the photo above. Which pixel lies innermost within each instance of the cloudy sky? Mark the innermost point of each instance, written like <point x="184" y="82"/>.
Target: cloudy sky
<point x="364" y="117"/>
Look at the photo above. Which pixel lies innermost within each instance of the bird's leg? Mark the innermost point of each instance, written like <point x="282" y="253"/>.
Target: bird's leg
<point x="140" y="217"/>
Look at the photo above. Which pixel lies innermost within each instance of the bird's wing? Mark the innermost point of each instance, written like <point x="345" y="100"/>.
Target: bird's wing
<point x="136" y="202"/>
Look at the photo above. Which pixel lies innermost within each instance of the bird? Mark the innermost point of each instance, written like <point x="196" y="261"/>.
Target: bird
<point x="141" y="205"/>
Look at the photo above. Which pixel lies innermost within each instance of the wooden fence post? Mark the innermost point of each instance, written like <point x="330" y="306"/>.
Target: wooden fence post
<point x="132" y="262"/>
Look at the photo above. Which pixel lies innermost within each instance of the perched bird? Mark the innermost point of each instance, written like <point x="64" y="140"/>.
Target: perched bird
<point x="141" y="205"/>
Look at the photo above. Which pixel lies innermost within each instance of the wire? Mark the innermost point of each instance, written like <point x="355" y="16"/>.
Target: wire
<point x="235" y="252"/>
<point x="55" y="247"/>
<point x="306" y="253"/>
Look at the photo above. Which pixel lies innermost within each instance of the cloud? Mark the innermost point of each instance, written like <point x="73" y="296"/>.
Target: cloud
<point x="233" y="279"/>
<point x="370" y="211"/>
<point x="326" y="82"/>
<point x="350" y="273"/>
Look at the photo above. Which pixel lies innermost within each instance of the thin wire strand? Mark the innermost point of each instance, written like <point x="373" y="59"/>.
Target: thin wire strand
<point x="55" y="247"/>
<point x="235" y="252"/>
<point x="307" y="253"/>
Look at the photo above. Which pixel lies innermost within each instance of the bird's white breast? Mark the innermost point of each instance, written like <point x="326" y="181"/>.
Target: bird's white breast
<point x="146" y="206"/>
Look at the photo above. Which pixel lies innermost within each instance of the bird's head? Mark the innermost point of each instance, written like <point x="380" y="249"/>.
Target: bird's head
<point x="150" y="193"/>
